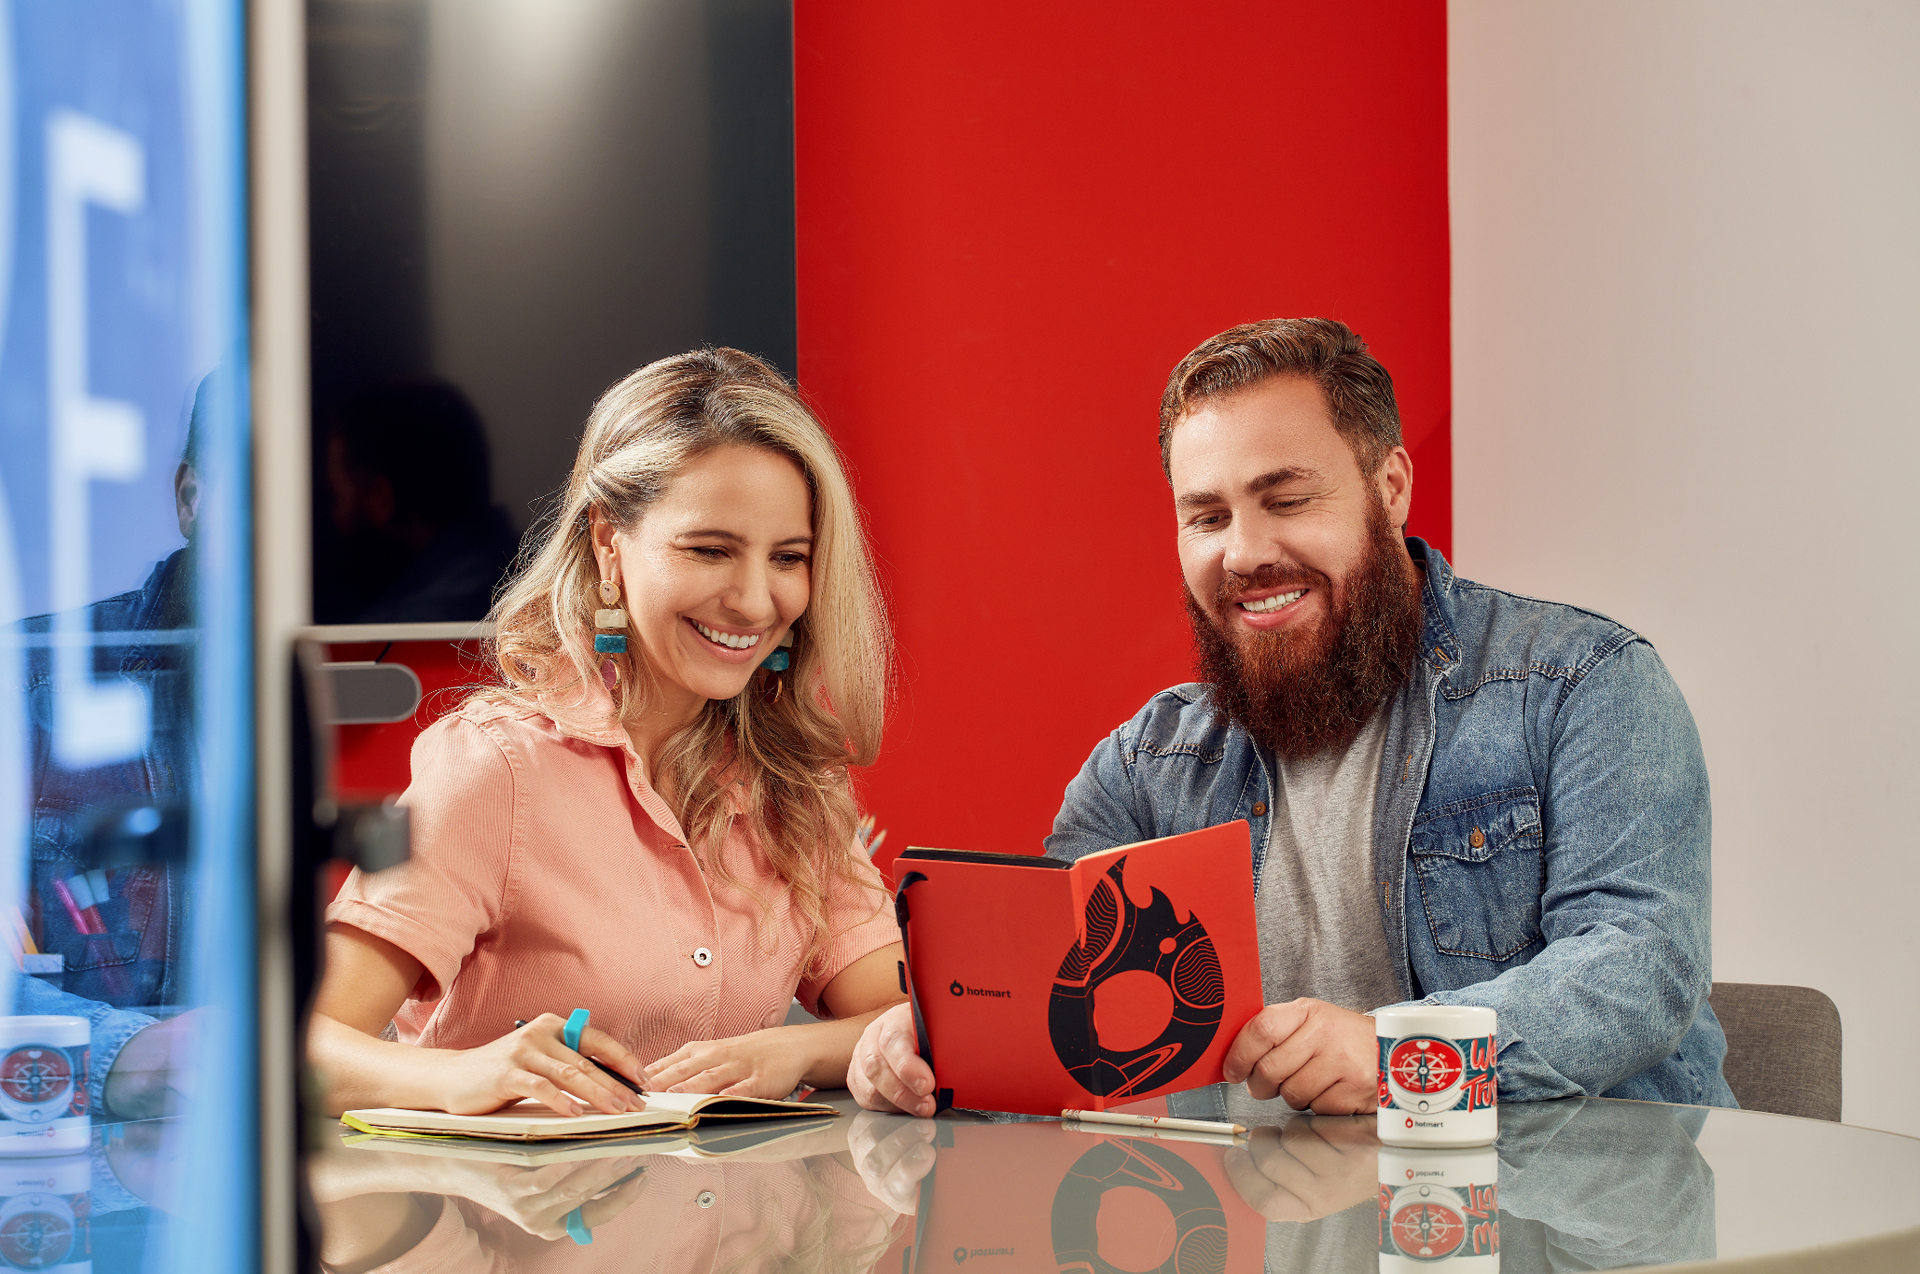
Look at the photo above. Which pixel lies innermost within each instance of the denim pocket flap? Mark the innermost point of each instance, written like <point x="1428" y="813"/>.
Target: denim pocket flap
<point x="1475" y="830"/>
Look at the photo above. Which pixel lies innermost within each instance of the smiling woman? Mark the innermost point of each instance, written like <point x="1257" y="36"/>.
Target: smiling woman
<point x="642" y="817"/>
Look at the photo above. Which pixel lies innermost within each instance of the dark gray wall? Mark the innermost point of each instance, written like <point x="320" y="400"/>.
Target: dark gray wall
<point x="530" y="198"/>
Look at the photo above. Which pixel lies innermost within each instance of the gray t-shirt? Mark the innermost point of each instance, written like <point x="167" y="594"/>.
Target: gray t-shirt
<point x="1319" y="904"/>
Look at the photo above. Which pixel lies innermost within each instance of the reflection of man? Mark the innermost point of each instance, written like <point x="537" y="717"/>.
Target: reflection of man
<point x="1603" y="1185"/>
<point x="1457" y="795"/>
<point x="117" y="934"/>
<point x="414" y="534"/>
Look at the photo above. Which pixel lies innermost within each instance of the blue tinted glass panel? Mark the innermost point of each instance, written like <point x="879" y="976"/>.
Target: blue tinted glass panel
<point x="127" y="1001"/>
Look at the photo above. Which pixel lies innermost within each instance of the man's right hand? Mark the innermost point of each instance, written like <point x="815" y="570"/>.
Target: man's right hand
<point x="892" y="1157"/>
<point x="888" y="1072"/>
<point x="1312" y="1167"/>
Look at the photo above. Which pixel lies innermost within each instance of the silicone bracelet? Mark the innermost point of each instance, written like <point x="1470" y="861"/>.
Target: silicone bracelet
<point x="576" y="1027"/>
<point x="577" y="1228"/>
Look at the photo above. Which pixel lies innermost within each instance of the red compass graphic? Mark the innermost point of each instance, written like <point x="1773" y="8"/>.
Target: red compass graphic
<point x="1423" y="1067"/>
<point x="1427" y="1229"/>
<point x="33" y="1076"/>
<point x="39" y="1234"/>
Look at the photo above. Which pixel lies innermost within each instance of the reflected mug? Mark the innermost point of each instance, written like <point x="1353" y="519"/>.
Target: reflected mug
<point x="44" y="1215"/>
<point x="1437" y="1075"/>
<point x="43" y="1085"/>
<point x="1439" y="1205"/>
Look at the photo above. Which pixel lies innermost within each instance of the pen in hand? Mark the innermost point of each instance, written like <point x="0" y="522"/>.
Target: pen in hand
<point x="606" y="1069"/>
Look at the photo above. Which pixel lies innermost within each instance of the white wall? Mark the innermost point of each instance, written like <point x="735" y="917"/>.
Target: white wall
<point x="1686" y="257"/>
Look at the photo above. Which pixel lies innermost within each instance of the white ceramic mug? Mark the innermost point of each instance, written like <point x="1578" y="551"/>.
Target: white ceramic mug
<point x="44" y="1215"/>
<point x="1439" y="1205"/>
<point x="1437" y="1075"/>
<point x="43" y="1085"/>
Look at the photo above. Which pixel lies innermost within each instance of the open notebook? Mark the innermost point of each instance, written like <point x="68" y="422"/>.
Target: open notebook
<point x="757" y="1139"/>
<point x="530" y="1121"/>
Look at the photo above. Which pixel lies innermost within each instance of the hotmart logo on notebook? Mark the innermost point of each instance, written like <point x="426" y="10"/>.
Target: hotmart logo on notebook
<point x="958" y="989"/>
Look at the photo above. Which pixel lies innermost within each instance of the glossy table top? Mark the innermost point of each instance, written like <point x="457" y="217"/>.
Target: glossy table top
<point x="1575" y="1185"/>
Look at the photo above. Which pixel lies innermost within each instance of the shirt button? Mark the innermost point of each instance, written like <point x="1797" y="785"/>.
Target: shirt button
<point x="1477" y="839"/>
<point x="1259" y="809"/>
<point x="703" y="958"/>
<point x="705" y="1198"/>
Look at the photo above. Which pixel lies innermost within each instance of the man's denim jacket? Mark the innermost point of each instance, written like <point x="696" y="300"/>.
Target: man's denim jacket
<point x="1541" y="836"/>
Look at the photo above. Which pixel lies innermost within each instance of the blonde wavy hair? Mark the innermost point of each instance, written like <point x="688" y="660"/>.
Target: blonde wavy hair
<point x="792" y="756"/>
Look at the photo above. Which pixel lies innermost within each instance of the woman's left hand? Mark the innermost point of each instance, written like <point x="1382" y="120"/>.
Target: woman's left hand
<point x="769" y="1063"/>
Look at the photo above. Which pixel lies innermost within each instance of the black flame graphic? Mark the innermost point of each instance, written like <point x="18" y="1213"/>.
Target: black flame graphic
<point x="1200" y="1224"/>
<point x="1120" y="938"/>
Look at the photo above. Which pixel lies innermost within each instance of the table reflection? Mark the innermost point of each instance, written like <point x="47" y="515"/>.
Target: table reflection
<point x="1570" y="1185"/>
<point x="99" y="1209"/>
<point x="759" y="1198"/>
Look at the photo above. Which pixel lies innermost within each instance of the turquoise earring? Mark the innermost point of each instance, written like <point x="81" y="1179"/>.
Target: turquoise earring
<point x="610" y="616"/>
<point x="779" y="660"/>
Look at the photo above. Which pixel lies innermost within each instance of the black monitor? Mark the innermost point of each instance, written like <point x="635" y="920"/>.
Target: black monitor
<point x="514" y="203"/>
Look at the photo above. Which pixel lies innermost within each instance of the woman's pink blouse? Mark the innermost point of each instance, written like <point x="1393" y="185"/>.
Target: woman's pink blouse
<point x="548" y="876"/>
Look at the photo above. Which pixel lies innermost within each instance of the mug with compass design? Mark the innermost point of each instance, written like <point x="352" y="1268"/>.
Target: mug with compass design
<point x="1438" y="1082"/>
<point x="43" y="1085"/>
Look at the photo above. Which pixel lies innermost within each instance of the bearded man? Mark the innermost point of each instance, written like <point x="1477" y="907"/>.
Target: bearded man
<point x="1457" y="795"/>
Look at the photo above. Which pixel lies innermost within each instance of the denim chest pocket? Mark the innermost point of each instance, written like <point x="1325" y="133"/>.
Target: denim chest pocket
<point x="1480" y="870"/>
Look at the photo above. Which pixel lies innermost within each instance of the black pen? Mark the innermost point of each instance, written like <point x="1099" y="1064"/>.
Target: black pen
<point x="618" y="1077"/>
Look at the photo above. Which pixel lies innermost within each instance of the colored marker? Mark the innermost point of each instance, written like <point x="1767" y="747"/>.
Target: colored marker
<point x="80" y="921"/>
<point x="82" y="892"/>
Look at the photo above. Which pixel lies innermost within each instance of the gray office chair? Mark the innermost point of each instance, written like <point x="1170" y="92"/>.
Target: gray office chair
<point x="1783" y="1048"/>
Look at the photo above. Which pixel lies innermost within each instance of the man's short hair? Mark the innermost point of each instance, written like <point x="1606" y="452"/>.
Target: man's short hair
<point x="1358" y="390"/>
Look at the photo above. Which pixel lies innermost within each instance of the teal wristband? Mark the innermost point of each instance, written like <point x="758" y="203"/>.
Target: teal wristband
<point x="576" y="1027"/>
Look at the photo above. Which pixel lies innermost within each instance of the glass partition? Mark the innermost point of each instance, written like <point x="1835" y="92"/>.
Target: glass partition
<point x="128" y="1106"/>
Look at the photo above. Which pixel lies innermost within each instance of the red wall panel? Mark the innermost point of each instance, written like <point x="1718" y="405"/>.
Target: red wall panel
<point x="1012" y="220"/>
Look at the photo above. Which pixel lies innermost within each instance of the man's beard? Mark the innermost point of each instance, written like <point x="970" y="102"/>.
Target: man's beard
<point x="1303" y="693"/>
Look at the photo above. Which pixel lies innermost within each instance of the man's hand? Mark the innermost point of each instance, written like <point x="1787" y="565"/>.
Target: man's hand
<point x="153" y="1075"/>
<point x="888" y="1072"/>
<point x="1313" y="1167"/>
<point x="1311" y="1053"/>
<point x="892" y="1156"/>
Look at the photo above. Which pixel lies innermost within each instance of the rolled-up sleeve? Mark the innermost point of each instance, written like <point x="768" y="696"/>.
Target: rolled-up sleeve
<point x="109" y="1028"/>
<point x="461" y="804"/>
<point x="859" y="921"/>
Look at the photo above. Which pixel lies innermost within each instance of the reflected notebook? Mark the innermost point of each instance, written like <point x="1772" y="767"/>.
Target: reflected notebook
<point x="1006" y="1197"/>
<point x="757" y="1139"/>
<point x="530" y="1121"/>
<point x="1040" y="985"/>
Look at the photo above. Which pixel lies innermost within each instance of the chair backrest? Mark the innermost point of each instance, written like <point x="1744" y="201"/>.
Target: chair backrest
<point x="1783" y="1048"/>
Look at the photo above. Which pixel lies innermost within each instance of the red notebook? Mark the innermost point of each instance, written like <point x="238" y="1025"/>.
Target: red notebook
<point x="1041" y="986"/>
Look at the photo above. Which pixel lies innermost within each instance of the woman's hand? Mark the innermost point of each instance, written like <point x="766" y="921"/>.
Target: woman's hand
<point x="769" y="1063"/>
<point x="367" y="980"/>
<point x="534" y="1062"/>
<point x="539" y="1199"/>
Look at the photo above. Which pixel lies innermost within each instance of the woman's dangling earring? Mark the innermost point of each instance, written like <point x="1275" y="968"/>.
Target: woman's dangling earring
<point x="610" y="621"/>
<point x="778" y="662"/>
